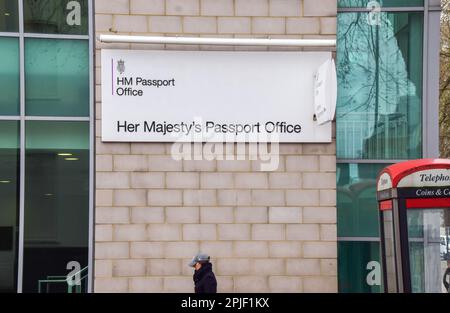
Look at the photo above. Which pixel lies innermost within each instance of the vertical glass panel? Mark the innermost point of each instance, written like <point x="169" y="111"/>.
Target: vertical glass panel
<point x="56" y="204"/>
<point x="379" y="66"/>
<point x="357" y="206"/>
<point x="9" y="76"/>
<point x="56" y="16"/>
<point x="57" y="77"/>
<point x="389" y="251"/>
<point x="359" y="268"/>
<point x="428" y="249"/>
<point x="383" y="3"/>
<point x="9" y="16"/>
<point x="9" y="204"/>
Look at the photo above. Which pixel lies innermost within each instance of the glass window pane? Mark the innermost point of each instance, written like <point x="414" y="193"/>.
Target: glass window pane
<point x="9" y="16"/>
<point x="9" y="76"/>
<point x="57" y="77"/>
<point x="383" y="3"/>
<point x="56" y="201"/>
<point x="9" y="204"/>
<point x="357" y="206"/>
<point x="56" y="16"/>
<point x="378" y="113"/>
<point x="359" y="268"/>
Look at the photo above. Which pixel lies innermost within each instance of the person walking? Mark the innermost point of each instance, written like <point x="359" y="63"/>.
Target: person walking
<point x="204" y="278"/>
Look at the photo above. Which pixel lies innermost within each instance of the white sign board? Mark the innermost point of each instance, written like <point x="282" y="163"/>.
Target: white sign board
<point x="167" y="96"/>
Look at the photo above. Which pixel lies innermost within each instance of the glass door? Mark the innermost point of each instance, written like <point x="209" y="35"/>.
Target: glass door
<point x="428" y="243"/>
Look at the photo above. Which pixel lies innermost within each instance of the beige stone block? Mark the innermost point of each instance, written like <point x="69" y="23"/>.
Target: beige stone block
<point x="112" y="180"/>
<point x="319" y="180"/>
<point x="163" y="163"/>
<point x="234" y="231"/>
<point x="234" y="25"/>
<point x="103" y="268"/>
<point x="148" y="147"/>
<point x="328" y="267"/>
<point x="199" y="232"/>
<point x="178" y="284"/>
<point x="164" y="232"/>
<point x="217" y="7"/>
<point x="112" y="250"/>
<point x="181" y="249"/>
<point x="147" y="7"/>
<point x="320" y="284"/>
<point x="326" y="8"/>
<point x="147" y="215"/>
<point x="328" y="197"/>
<point x="165" y="24"/>
<point x="182" y="180"/>
<point x="130" y="197"/>
<point x="302" y="197"/>
<point x="146" y="250"/>
<point x="111" y="147"/>
<point x="250" y="249"/>
<point x="130" y="163"/>
<point x="234" y="197"/>
<point x="279" y="163"/>
<point x="251" y="215"/>
<point x="252" y="7"/>
<point x="327" y="163"/>
<point x="233" y="165"/>
<point x="285" y="284"/>
<point x="199" y="25"/>
<point x="303" y="25"/>
<point x="303" y="267"/>
<point x="268" y="25"/>
<point x="268" y="197"/>
<point x="320" y="250"/>
<point x="320" y="149"/>
<point x="285" y="180"/>
<point x="303" y="232"/>
<point x="303" y="163"/>
<point x="218" y="215"/>
<point x="319" y="215"/>
<point x="130" y="23"/>
<point x="285" y="7"/>
<point x="328" y="25"/>
<point x="225" y="284"/>
<point x="268" y="232"/>
<point x="217" y="249"/>
<point x="103" y="163"/>
<point x="290" y="148"/>
<point x="251" y="284"/>
<point x="146" y="284"/>
<point x="132" y="232"/>
<point x="182" y="7"/>
<point x="285" y="215"/>
<point x="112" y="215"/>
<point x="103" y="197"/>
<point x="103" y="233"/>
<point x="164" y="267"/>
<point x="111" y="285"/>
<point x="227" y="266"/>
<point x="251" y="180"/>
<point x="164" y="197"/>
<point x="285" y="249"/>
<point x="112" y="6"/>
<point x="182" y="215"/>
<point x="199" y="197"/>
<point x="328" y="232"/>
<point x="264" y="267"/>
<point x="128" y="268"/>
<point x="147" y="180"/>
<point x="216" y="180"/>
<point x="199" y="165"/>
<point x="103" y="22"/>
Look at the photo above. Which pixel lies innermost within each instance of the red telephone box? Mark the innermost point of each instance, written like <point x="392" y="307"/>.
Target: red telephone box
<point x="414" y="207"/>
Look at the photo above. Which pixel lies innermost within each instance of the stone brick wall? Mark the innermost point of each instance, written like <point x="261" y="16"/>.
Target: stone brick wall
<point x="266" y="231"/>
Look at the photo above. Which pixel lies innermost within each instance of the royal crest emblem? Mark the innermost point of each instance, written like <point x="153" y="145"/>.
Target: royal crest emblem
<point x="121" y="66"/>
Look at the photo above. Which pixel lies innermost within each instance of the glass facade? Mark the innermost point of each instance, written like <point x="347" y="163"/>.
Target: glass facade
<point x="378" y="122"/>
<point x="45" y="178"/>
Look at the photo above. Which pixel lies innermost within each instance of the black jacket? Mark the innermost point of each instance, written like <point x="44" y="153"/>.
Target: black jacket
<point x="444" y="279"/>
<point x="205" y="280"/>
